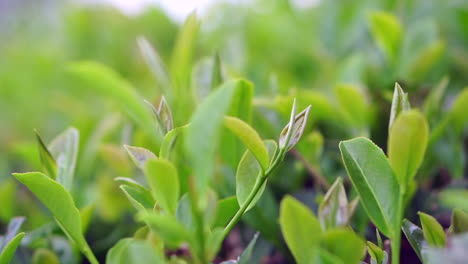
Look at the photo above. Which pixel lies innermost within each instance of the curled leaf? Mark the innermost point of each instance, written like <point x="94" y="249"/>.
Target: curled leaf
<point x="400" y="104"/>
<point x="49" y="166"/>
<point x="289" y="137"/>
<point x="139" y="155"/>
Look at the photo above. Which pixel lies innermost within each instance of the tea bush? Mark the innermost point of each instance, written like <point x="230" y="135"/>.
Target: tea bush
<point x="273" y="134"/>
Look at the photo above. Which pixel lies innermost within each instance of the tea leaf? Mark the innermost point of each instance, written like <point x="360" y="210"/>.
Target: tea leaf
<point x="333" y="210"/>
<point x="247" y="253"/>
<point x="248" y="173"/>
<point x="166" y="226"/>
<point x="378" y="256"/>
<point x="301" y="230"/>
<point x="289" y="138"/>
<point x="169" y="140"/>
<point x="130" y="250"/>
<point x="45" y="256"/>
<point x="164" y="181"/>
<point x="49" y="166"/>
<point x="250" y="138"/>
<point x="227" y="208"/>
<point x="217" y="74"/>
<point x="407" y="145"/>
<point x="387" y="32"/>
<point x="459" y="221"/>
<point x="140" y="199"/>
<point x="333" y="242"/>
<point x="352" y="104"/>
<point x="374" y="180"/>
<point x="156" y="65"/>
<point x="165" y="115"/>
<point x="8" y="252"/>
<point x="60" y="203"/>
<point x="415" y="237"/>
<point x="64" y="148"/>
<point x="400" y="104"/>
<point x="458" y="112"/>
<point x="98" y="78"/>
<point x="206" y="124"/>
<point x="11" y="231"/>
<point x="131" y="182"/>
<point x="433" y="231"/>
<point x="139" y="155"/>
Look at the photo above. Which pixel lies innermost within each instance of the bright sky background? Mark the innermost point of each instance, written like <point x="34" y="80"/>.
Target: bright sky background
<point x="178" y="9"/>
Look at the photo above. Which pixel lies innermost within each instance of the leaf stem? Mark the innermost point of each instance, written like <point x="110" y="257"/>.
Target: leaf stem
<point x="396" y="239"/>
<point x="253" y="194"/>
<point x="89" y="255"/>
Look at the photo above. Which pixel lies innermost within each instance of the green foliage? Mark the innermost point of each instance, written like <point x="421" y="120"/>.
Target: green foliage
<point x="373" y="178"/>
<point x="164" y="182"/>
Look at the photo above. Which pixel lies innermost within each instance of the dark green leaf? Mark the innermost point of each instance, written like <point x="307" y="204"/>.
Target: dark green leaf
<point x="227" y="208"/>
<point x="415" y="237"/>
<point x="374" y="180"/>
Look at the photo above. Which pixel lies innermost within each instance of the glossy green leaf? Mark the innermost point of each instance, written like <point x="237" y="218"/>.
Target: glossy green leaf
<point x="387" y="32"/>
<point x="227" y="208"/>
<point x="415" y="237"/>
<point x="459" y="221"/>
<point x="167" y="227"/>
<point x="64" y="149"/>
<point x="164" y="181"/>
<point x="49" y="166"/>
<point x="156" y="65"/>
<point x="60" y="203"/>
<point x="8" y="252"/>
<point x="98" y="78"/>
<point x="140" y="199"/>
<point x="248" y="173"/>
<point x="203" y="134"/>
<point x="139" y="155"/>
<point x="400" y="104"/>
<point x="433" y="231"/>
<point x="374" y="180"/>
<point x="250" y="138"/>
<point x="301" y="230"/>
<point x="407" y="144"/>
<point x="344" y="244"/>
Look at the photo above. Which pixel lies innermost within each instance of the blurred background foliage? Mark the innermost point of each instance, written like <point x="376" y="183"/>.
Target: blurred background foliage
<point x="343" y="57"/>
